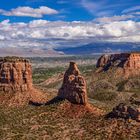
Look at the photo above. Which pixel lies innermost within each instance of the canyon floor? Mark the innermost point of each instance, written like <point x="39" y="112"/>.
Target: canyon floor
<point x="64" y="120"/>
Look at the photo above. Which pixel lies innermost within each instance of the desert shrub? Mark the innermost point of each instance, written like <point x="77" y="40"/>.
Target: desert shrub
<point x="132" y="84"/>
<point x="41" y="74"/>
<point x="104" y="95"/>
<point x="136" y="93"/>
<point x="103" y="85"/>
<point x="87" y="69"/>
<point x="55" y="85"/>
<point x="129" y="85"/>
<point x="99" y="87"/>
<point x="121" y="84"/>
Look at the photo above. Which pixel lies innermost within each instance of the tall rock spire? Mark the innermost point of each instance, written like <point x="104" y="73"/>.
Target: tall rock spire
<point x="74" y="86"/>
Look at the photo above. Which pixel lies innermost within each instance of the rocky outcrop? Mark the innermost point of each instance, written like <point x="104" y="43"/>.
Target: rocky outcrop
<point x="107" y="60"/>
<point x="131" y="84"/>
<point x="16" y="87"/>
<point x="74" y="86"/>
<point x="128" y="62"/>
<point x="126" y="112"/>
<point x="15" y="74"/>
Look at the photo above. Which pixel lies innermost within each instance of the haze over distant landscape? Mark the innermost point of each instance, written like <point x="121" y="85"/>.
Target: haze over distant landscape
<point x="50" y="28"/>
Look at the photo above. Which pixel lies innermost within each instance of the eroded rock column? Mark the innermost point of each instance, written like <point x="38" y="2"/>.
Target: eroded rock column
<point x="74" y="86"/>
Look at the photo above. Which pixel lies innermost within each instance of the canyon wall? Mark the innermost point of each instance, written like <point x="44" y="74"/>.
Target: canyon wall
<point x="128" y="62"/>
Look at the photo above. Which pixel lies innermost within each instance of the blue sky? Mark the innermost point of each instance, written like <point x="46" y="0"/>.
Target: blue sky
<point x="67" y="23"/>
<point x="70" y="10"/>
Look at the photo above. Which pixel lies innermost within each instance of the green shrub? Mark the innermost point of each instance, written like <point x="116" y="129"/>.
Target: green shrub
<point x="104" y="95"/>
<point x="42" y="74"/>
<point x="121" y="84"/>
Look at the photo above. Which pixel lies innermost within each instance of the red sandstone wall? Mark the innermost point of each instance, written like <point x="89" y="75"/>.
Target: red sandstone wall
<point x="129" y="62"/>
<point x="15" y="76"/>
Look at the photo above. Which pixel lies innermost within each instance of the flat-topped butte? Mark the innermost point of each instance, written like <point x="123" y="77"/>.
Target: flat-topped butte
<point x="15" y="74"/>
<point x="13" y="59"/>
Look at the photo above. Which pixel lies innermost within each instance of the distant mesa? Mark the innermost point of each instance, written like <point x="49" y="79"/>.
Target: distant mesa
<point x="129" y="63"/>
<point x="74" y="86"/>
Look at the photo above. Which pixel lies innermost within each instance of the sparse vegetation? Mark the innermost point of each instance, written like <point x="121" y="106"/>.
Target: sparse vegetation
<point x="121" y="84"/>
<point x="104" y="96"/>
<point x="55" y="121"/>
<point x="12" y="59"/>
<point x="41" y="74"/>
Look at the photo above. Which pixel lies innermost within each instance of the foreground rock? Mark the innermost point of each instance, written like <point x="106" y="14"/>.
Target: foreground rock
<point x="128" y="62"/>
<point x="15" y="74"/>
<point x="16" y="86"/>
<point x="78" y="111"/>
<point x="126" y="111"/>
<point x="74" y="86"/>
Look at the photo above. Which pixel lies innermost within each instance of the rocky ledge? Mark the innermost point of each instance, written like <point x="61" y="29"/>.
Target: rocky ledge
<point x="128" y="62"/>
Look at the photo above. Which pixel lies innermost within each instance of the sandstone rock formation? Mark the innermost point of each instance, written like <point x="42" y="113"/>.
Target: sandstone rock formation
<point x="16" y="87"/>
<point x="74" y="86"/>
<point x="128" y="62"/>
<point x="126" y="112"/>
<point x="15" y="74"/>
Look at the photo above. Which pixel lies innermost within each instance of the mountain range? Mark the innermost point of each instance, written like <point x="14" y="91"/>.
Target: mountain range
<point x="101" y="47"/>
<point x="88" y="49"/>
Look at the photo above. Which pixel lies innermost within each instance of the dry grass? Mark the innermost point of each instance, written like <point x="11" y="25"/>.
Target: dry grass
<point x="63" y="121"/>
<point x="23" y="98"/>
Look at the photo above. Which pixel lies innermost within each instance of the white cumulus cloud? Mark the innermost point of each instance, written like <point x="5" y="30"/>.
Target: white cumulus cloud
<point x="29" y="12"/>
<point x="114" y="18"/>
<point x="48" y="34"/>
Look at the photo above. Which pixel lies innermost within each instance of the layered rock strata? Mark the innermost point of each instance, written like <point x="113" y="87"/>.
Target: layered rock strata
<point x="15" y="74"/>
<point x="128" y="62"/>
<point x="74" y="86"/>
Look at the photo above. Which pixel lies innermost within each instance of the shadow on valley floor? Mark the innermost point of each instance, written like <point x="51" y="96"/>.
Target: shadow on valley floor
<point x="52" y="101"/>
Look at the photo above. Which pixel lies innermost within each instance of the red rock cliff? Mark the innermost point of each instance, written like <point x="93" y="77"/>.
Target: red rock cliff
<point x="129" y="62"/>
<point x="15" y="74"/>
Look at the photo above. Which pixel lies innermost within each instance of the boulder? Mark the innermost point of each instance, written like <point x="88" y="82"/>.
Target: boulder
<point x="126" y="111"/>
<point x="74" y="86"/>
